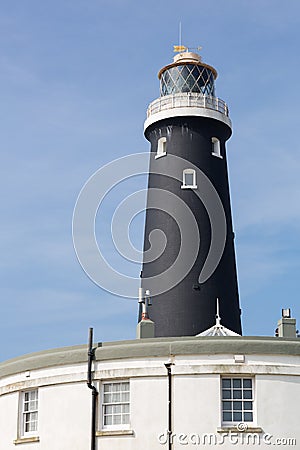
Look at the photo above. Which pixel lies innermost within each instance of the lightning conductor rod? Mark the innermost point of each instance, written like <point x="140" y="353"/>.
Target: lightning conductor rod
<point x="91" y="357"/>
<point x="180" y="34"/>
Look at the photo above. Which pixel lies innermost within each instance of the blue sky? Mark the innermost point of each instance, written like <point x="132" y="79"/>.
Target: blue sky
<point x="76" y="79"/>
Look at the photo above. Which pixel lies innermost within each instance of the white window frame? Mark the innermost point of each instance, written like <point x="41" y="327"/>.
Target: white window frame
<point x="184" y="184"/>
<point x="216" y="147"/>
<point x="122" y="402"/>
<point x="28" y="412"/>
<point x="228" y="423"/>
<point x="161" y="147"/>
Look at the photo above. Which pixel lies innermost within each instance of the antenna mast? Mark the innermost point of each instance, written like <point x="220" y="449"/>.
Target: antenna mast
<point x="180" y="35"/>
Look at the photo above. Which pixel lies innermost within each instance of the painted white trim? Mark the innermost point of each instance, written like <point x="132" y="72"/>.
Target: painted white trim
<point x="161" y="147"/>
<point x="183" y="186"/>
<point x="188" y="172"/>
<point x="187" y="111"/>
<point x="114" y="427"/>
<point x="22" y="413"/>
<point x="216" y="154"/>
<point x="160" y="156"/>
<point x="216" y="147"/>
<point x="234" y="423"/>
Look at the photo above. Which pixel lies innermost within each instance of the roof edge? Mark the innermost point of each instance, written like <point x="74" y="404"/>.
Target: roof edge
<point x="153" y="347"/>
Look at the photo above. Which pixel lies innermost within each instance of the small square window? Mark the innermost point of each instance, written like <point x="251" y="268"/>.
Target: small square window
<point x="189" y="179"/>
<point x="216" y="147"/>
<point x="161" y="147"/>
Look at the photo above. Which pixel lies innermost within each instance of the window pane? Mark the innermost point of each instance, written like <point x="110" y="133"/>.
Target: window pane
<point x="227" y="406"/>
<point x="117" y="419"/>
<point x="226" y="393"/>
<point x="237" y="393"/>
<point x="108" y="409"/>
<point x="125" y="408"/>
<point x="226" y="383"/>
<point x="107" y="398"/>
<point x="227" y="416"/>
<point x="248" y="405"/>
<point x="32" y="426"/>
<point x="248" y="417"/>
<point x="33" y="395"/>
<point x="237" y="406"/>
<point x="125" y="397"/>
<point x="247" y="383"/>
<point x="117" y="409"/>
<point x="106" y="387"/>
<point x="125" y="418"/>
<point x="237" y="416"/>
<point x="32" y="405"/>
<point x="116" y="397"/>
<point x="237" y="382"/>
<point x="107" y="420"/>
<point x="247" y="393"/>
<point x="188" y="179"/>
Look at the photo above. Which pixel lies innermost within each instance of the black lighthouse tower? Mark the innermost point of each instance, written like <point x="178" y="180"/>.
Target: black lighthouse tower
<point x="189" y="258"/>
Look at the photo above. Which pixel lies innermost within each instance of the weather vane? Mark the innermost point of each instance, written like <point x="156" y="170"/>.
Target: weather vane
<point x="183" y="48"/>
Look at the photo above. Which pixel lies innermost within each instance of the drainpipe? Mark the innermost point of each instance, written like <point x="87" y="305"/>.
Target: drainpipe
<point x="91" y="357"/>
<point x="170" y="432"/>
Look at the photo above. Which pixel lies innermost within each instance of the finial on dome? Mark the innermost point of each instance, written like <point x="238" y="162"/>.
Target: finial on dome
<point x="218" y="318"/>
<point x="218" y="329"/>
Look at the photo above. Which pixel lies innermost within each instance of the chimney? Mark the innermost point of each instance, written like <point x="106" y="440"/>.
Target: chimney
<point x="287" y="325"/>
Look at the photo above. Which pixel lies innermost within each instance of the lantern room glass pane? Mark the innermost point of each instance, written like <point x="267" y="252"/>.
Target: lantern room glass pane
<point x="187" y="78"/>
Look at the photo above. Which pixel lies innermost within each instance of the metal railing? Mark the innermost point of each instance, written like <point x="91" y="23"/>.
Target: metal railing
<point x="188" y="99"/>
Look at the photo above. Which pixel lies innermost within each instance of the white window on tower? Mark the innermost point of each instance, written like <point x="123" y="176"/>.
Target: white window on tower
<point x="216" y="147"/>
<point x="29" y="413"/>
<point x="189" y="179"/>
<point x="161" y="147"/>
<point x="237" y="400"/>
<point x="116" y="405"/>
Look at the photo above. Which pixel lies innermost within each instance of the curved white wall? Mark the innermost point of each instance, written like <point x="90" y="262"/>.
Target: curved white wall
<point x="65" y="401"/>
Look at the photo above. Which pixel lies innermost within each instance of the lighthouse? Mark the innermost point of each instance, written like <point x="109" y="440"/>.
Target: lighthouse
<point x="189" y="256"/>
<point x="203" y="383"/>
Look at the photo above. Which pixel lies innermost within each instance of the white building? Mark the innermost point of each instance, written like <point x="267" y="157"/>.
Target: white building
<point x="227" y="391"/>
